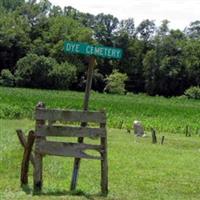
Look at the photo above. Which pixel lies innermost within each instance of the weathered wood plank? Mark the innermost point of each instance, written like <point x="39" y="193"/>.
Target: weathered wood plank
<point x="23" y="141"/>
<point x="37" y="173"/>
<point x="70" y="116"/>
<point x="26" y="158"/>
<point x="104" y="164"/>
<point x="67" y="149"/>
<point x="68" y="131"/>
<point x="154" y="137"/>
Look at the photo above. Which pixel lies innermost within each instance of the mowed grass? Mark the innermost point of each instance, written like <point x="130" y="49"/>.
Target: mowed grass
<point x="137" y="169"/>
<point x="165" y="115"/>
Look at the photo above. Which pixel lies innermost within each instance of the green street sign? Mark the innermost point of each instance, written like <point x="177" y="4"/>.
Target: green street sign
<point x="86" y="49"/>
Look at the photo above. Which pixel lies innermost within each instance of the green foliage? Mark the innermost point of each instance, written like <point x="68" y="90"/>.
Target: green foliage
<point x="44" y="72"/>
<point x="104" y="28"/>
<point x="127" y="27"/>
<point x="164" y="69"/>
<point x="33" y="71"/>
<point x="191" y="60"/>
<point x="150" y="72"/>
<point x="62" y="76"/>
<point x="60" y="29"/>
<point x="11" y="4"/>
<point x="15" y="41"/>
<point x="146" y="29"/>
<point x="194" y="30"/>
<point x="7" y="78"/>
<point x="164" y="114"/>
<point x="193" y="93"/>
<point x="157" y="60"/>
<point x="115" y="82"/>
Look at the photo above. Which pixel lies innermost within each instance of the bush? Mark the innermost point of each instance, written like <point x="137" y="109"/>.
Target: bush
<point x="7" y="78"/>
<point x="44" y="72"/>
<point x="62" y="76"/>
<point x="33" y="71"/>
<point x="193" y="93"/>
<point x="115" y="83"/>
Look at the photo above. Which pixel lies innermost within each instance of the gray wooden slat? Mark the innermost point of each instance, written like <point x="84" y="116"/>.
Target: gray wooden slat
<point x="38" y="169"/>
<point x="67" y="149"/>
<point x="70" y="116"/>
<point x="68" y="131"/>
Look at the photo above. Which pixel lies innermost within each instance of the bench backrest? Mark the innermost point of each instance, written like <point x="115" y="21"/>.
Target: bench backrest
<point x="70" y="116"/>
<point x="46" y="126"/>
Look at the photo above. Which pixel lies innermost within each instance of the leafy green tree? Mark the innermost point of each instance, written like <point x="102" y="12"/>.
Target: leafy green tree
<point x="127" y="27"/>
<point x="193" y="31"/>
<point x="165" y="72"/>
<point x="15" y="41"/>
<point x="104" y="28"/>
<point x="36" y="15"/>
<point x="191" y="60"/>
<point x="151" y="72"/>
<point x="33" y="71"/>
<point x="172" y="79"/>
<point x="146" y="29"/>
<point x="60" y="29"/>
<point x="115" y="83"/>
<point x="11" y="5"/>
<point x="56" y="11"/>
<point x="163" y="29"/>
<point x="7" y="78"/>
<point x="71" y="12"/>
<point x="62" y="76"/>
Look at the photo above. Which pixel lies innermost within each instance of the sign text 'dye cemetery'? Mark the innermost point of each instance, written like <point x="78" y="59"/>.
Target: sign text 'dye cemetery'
<point x="90" y="50"/>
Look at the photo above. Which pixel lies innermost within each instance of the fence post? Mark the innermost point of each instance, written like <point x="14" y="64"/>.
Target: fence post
<point x="154" y="138"/>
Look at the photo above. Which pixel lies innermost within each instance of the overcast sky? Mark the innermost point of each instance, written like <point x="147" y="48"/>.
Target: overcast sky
<point x="179" y="12"/>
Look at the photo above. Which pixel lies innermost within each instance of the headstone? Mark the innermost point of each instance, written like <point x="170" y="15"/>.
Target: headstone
<point x="138" y="128"/>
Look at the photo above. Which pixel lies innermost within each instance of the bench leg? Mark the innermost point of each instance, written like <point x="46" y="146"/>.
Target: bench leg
<point x="26" y="158"/>
<point x="23" y="141"/>
<point x="37" y="175"/>
<point x="104" y="168"/>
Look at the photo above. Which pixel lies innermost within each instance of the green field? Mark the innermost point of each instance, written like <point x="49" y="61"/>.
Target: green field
<point x="165" y="115"/>
<point x="138" y="169"/>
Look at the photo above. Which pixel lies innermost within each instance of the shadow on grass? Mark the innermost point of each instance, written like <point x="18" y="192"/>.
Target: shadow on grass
<point x="26" y="189"/>
<point x="70" y="193"/>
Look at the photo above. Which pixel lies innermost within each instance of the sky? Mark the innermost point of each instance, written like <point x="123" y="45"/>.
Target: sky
<point x="179" y="12"/>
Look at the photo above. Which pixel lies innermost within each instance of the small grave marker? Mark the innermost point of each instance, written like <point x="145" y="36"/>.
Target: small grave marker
<point x="138" y="128"/>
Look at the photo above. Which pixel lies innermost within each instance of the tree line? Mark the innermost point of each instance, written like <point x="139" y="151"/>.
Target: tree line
<point x="157" y="60"/>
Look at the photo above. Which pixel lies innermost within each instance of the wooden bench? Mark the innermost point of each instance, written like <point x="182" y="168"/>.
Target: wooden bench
<point x="53" y="122"/>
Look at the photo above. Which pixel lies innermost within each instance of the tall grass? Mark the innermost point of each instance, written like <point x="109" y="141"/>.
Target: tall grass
<point x="164" y="114"/>
<point x="138" y="169"/>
